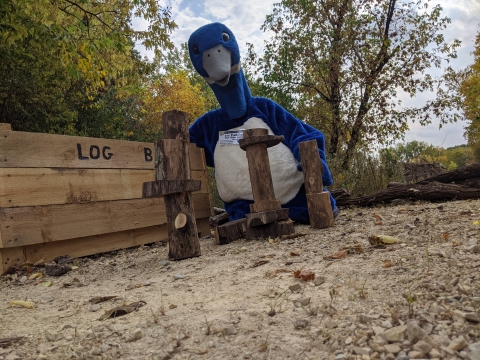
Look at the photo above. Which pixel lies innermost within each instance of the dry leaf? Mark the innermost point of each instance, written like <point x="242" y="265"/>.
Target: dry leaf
<point x="274" y="241"/>
<point x="47" y="283"/>
<point x="35" y="275"/>
<point x="338" y="255"/>
<point x="454" y="243"/>
<point x="476" y="222"/>
<point x="305" y="275"/>
<point x="133" y="286"/>
<point x="294" y="253"/>
<point x="122" y="310"/>
<point x="99" y="299"/>
<point x="386" y="264"/>
<point x="377" y="216"/>
<point x="378" y="223"/>
<point x="25" y="304"/>
<point x="172" y="306"/>
<point x="376" y="240"/>
<point x="445" y="236"/>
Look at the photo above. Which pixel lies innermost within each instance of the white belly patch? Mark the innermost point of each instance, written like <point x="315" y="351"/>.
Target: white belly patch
<point x="233" y="178"/>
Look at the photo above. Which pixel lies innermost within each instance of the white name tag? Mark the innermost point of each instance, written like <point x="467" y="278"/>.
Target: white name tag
<point x="230" y="137"/>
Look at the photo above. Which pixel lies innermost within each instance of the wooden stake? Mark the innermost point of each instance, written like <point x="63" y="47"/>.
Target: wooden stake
<point x="318" y="201"/>
<point x="173" y="180"/>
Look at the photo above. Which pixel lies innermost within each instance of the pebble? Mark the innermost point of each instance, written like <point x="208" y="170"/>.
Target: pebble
<point x="473" y="317"/>
<point x="164" y="263"/>
<point x="95" y="307"/>
<point x="302" y="301"/>
<point x="230" y="330"/>
<point x="301" y="324"/>
<point x="54" y="336"/>
<point x="295" y="288"/>
<point x="422" y="347"/>
<point x="458" y="344"/>
<point x="340" y="357"/>
<point x="365" y="319"/>
<point x="415" y="333"/>
<point x="414" y="355"/>
<point x="13" y="356"/>
<point x="178" y="276"/>
<point x="387" y="324"/>
<point x="348" y="340"/>
<point x="362" y="350"/>
<point x="392" y="348"/>
<point x="331" y="324"/>
<point x="319" y="280"/>
<point x="395" y="334"/>
<point x="137" y="334"/>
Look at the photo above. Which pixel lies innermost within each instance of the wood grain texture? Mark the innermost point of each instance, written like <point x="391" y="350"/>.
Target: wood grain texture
<point x="320" y="210"/>
<point x="231" y="231"/>
<point x="51" y="223"/>
<point x="266" y="217"/>
<point x="84" y="246"/>
<point x="311" y="166"/>
<point x="166" y="187"/>
<point x="32" y="150"/>
<point x="5" y="127"/>
<point x="45" y="186"/>
<point x="271" y="230"/>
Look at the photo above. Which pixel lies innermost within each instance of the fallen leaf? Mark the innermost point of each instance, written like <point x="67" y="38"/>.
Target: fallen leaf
<point x="273" y="241"/>
<point x="133" y="286"/>
<point x="337" y="255"/>
<point x="386" y="264"/>
<point x="377" y="216"/>
<point x="74" y="267"/>
<point x="476" y="222"/>
<point x="378" y="223"/>
<point x="305" y="275"/>
<point x="121" y="310"/>
<point x="35" y="275"/>
<point x="294" y="253"/>
<point x="172" y="306"/>
<point x="454" y="243"/>
<point x="445" y="236"/>
<point x="75" y="283"/>
<point x="25" y="304"/>
<point x="376" y="240"/>
<point x="46" y="283"/>
<point x="40" y="262"/>
<point x="99" y="299"/>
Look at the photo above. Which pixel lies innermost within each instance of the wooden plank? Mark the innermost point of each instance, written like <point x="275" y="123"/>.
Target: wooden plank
<point x="273" y="230"/>
<point x="197" y="158"/>
<point x="41" y="224"/>
<point x="266" y="217"/>
<point x="45" y="186"/>
<point x="203" y="227"/>
<point x="320" y="210"/>
<point x="85" y="246"/>
<point x="231" y="231"/>
<point x="5" y="127"/>
<point x="166" y="187"/>
<point x="24" y="149"/>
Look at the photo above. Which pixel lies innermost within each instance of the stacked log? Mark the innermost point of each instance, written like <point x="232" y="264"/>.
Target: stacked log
<point x="460" y="184"/>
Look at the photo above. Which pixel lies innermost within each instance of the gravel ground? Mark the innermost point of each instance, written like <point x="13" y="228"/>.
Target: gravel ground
<point x="326" y="294"/>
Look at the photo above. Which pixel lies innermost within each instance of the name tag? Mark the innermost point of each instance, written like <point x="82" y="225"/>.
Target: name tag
<point x="230" y="137"/>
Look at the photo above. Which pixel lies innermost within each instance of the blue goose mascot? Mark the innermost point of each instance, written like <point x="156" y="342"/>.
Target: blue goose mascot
<point x="215" y="55"/>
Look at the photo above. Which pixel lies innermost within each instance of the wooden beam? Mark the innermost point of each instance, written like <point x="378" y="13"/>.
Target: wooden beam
<point x="266" y="217"/>
<point x="51" y="223"/>
<point x="5" y="127"/>
<point x="273" y="229"/>
<point x="45" y="186"/>
<point x="231" y="231"/>
<point x="167" y="187"/>
<point x="32" y="150"/>
<point x="84" y="246"/>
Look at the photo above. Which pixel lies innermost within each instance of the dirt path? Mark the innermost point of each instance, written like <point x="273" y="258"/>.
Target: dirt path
<point x="417" y="298"/>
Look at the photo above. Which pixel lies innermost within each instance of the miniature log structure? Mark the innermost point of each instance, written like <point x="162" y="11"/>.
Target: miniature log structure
<point x="174" y="183"/>
<point x="267" y="218"/>
<point x="79" y="196"/>
<point x="318" y="200"/>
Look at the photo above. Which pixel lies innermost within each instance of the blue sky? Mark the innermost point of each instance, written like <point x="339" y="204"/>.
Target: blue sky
<point x="246" y="17"/>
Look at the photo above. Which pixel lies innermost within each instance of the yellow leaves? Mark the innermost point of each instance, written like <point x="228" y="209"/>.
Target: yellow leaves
<point x="476" y="222"/>
<point x="25" y="304"/>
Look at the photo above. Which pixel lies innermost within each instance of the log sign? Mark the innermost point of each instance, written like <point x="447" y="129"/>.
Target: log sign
<point x="105" y="152"/>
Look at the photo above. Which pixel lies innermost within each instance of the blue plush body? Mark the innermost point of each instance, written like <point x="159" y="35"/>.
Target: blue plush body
<point x="215" y="55"/>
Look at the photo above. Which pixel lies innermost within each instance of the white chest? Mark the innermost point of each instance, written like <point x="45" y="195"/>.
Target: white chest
<point x="232" y="176"/>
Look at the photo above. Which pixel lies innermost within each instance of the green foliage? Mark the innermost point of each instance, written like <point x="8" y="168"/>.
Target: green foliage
<point x="69" y="66"/>
<point x="345" y="59"/>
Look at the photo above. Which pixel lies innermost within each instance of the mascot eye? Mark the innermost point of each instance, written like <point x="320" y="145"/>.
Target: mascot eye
<point x="195" y="49"/>
<point x="225" y="36"/>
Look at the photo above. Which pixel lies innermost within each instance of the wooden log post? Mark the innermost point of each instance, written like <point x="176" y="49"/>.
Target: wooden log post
<point x="318" y="200"/>
<point x="173" y="181"/>
<point x="267" y="218"/>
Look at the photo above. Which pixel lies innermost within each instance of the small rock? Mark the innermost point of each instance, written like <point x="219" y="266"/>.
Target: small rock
<point x="474" y="249"/>
<point x="454" y="281"/>
<point x="331" y="324"/>
<point x="13" y="356"/>
<point x="434" y="353"/>
<point x="415" y="333"/>
<point x="348" y="340"/>
<point x="137" y="334"/>
<point x="295" y="288"/>
<point x="230" y="330"/>
<point x="389" y="356"/>
<point x="365" y="319"/>
<point x="56" y="269"/>
<point x="377" y="330"/>
<point x="423" y="347"/>
<point x="379" y="340"/>
<point x="96" y="351"/>
<point x="301" y="324"/>
<point x="387" y="324"/>
<point x="458" y="344"/>
<point x="42" y="357"/>
<point x="474" y="347"/>
<point x="178" y="276"/>
<point x="362" y="351"/>
<point x="395" y="334"/>
<point x="212" y="344"/>
<point x="319" y="280"/>
<point x="147" y="283"/>
<point x="164" y="263"/>
<point x="473" y="317"/>
<point x="54" y="336"/>
<point x="302" y="301"/>
<point x="95" y="307"/>
<point x="415" y="355"/>
<point x="340" y="357"/>
<point x="23" y="279"/>
<point x="392" y="348"/>
<point x="474" y="355"/>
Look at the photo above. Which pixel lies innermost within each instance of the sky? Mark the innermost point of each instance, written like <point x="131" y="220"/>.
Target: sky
<point x="246" y="17"/>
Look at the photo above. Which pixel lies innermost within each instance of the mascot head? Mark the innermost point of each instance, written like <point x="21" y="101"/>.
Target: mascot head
<point x="215" y="55"/>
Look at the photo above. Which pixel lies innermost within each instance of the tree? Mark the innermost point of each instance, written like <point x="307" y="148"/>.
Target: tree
<point x="350" y="58"/>
<point x="58" y="59"/>
<point x="470" y="90"/>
